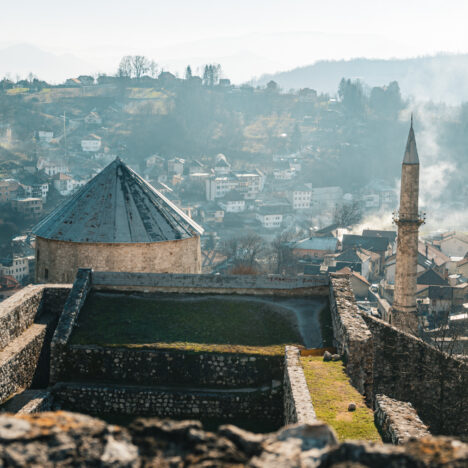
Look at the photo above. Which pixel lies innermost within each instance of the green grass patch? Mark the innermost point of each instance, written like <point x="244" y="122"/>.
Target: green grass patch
<point x="226" y="324"/>
<point x="331" y="394"/>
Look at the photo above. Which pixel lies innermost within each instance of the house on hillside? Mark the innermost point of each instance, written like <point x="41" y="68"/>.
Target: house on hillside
<point x="314" y="247"/>
<point x="91" y="143"/>
<point x="93" y="118"/>
<point x="359" y="284"/>
<point x="300" y="197"/>
<point x="270" y="217"/>
<point x="8" y="189"/>
<point x="453" y="244"/>
<point x="232" y="202"/>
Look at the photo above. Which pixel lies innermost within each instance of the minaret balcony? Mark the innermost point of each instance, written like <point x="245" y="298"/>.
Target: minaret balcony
<point x="399" y="217"/>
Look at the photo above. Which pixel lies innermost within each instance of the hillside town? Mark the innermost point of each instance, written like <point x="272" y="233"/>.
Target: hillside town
<point x="272" y="215"/>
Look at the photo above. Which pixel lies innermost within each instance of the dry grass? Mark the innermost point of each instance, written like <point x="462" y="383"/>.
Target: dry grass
<point x="331" y="394"/>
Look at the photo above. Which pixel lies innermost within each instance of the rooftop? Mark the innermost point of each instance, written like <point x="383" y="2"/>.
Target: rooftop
<point x="117" y="206"/>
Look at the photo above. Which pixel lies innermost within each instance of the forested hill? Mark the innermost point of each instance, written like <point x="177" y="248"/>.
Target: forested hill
<point x="436" y="78"/>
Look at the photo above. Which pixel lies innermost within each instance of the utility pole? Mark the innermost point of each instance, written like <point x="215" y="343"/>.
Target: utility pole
<point x="65" y="135"/>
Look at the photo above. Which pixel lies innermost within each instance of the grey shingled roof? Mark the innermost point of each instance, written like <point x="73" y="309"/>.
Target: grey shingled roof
<point x="411" y="152"/>
<point x="117" y="206"/>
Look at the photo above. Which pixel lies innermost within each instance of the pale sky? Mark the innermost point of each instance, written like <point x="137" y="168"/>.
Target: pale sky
<point x="263" y="35"/>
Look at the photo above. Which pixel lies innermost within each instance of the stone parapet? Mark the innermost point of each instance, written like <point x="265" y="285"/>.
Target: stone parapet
<point x="17" y="313"/>
<point x="218" y="284"/>
<point x="407" y="369"/>
<point x="397" y="421"/>
<point x="298" y="406"/>
<point x="18" y="361"/>
<point x="352" y="337"/>
<point x="67" y="320"/>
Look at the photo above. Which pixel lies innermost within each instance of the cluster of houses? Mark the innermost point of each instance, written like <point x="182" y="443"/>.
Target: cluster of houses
<point x="265" y="199"/>
<point x="370" y="259"/>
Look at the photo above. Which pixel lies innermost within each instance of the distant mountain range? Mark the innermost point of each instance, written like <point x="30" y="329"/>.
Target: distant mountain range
<point x="436" y="78"/>
<point x="22" y="59"/>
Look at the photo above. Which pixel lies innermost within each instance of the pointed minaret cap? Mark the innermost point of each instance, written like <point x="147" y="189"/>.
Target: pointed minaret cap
<point x="411" y="152"/>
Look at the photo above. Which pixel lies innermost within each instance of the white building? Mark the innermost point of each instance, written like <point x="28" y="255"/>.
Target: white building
<point x="45" y="137"/>
<point x="91" y="143"/>
<point x="176" y="166"/>
<point x="52" y="167"/>
<point x="37" y="190"/>
<point x="300" y="197"/>
<point x="248" y="184"/>
<point x="270" y="217"/>
<point x="18" y="267"/>
<point x="233" y="202"/>
<point x="66" y="185"/>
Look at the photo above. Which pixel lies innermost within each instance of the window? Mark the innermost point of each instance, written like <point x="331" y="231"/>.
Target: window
<point x="46" y="274"/>
<point x="38" y="254"/>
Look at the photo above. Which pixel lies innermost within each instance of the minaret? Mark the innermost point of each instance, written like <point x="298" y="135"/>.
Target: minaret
<point x="404" y="313"/>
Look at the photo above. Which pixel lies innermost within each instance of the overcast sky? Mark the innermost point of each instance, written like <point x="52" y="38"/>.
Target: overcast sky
<point x="270" y="34"/>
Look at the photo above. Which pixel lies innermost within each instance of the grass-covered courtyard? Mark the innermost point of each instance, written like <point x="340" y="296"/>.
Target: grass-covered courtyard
<point x="331" y="394"/>
<point x="200" y="323"/>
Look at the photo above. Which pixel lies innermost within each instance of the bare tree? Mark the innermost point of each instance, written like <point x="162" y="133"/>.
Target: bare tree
<point x="282" y="258"/>
<point x="135" y="66"/>
<point x="347" y="214"/>
<point x="245" y="250"/>
<point x="125" y="67"/>
<point x="140" y="66"/>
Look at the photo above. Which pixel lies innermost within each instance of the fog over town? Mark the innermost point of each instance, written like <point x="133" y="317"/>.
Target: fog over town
<point x="299" y="166"/>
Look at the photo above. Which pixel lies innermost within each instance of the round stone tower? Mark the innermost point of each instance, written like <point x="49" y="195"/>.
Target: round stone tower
<point x="404" y="312"/>
<point x="116" y="222"/>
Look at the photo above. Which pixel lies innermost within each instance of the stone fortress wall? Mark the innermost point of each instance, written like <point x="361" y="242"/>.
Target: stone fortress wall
<point x="179" y="383"/>
<point x="63" y="259"/>
<point x="27" y="321"/>
<point x="390" y="367"/>
<point x="382" y="360"/>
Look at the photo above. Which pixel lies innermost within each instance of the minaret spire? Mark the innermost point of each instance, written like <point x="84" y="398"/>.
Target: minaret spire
<point x="404" y="312"/>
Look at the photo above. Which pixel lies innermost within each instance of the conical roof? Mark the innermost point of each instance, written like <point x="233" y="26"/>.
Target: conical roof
<point x="117" y="206"/>
<point x="411" y="152"/>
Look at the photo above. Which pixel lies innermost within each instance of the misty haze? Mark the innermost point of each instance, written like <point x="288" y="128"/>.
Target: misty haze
<point x="233" y="233"/>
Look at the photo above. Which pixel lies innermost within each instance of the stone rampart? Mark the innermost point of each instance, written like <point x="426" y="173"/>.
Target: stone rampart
<point x="352" y="337"/>
<point x="262" y="404"/>
<point x="17" y="313"/>
<point x="407" y="369"/>
<point x="397" y="421"/>
<point x="207" y="284"/>
<point x="18" y="361"/>
<point x="146" y="366"/>
<point x="67" y="320"/>
<point x="298" y="406"/>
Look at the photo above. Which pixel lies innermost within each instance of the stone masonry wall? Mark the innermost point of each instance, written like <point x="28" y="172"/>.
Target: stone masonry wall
<point x="63" y="259"/>
<point x="298" y="406"/>
<point x="17" y="313"/>
<point x="67" y="320"/>
<point x="407" y="369"/>
<point x="216" y="284"/>
<point x="397" y="421"/>
<point x="352" y="337"/>
<point x="168" y="367"/>
<point x="18" y="361"/>
<point x="260" y="404"/>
